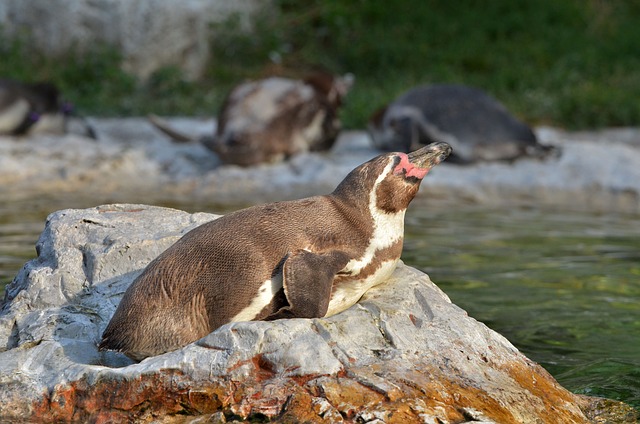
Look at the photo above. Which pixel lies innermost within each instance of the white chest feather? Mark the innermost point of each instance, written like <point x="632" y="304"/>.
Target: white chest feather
<point x="348" y="295"/>
<point x="12" y="116"/>
<point x="50" y="123"/>
<point x="388" y="229"/>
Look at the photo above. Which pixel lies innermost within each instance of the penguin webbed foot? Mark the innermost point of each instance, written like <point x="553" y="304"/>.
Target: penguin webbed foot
<point x="308" y="280"/>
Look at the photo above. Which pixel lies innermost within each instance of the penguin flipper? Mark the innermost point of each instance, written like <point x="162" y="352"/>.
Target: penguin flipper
<point x="307" y="281"/>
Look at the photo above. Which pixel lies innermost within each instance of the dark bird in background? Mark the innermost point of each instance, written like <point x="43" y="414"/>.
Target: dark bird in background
<point x="27" y="109"/>
<point x="270" y="120"/>
<point x="477" y="126"/>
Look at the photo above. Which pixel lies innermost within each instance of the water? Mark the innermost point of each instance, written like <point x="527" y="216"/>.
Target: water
<point x="563" y="287"/>
<point x="21" y="222"/>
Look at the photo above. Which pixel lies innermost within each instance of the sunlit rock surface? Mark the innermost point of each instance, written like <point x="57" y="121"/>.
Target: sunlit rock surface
<point x="133" y="162"/>
<point x="403" y="354"/>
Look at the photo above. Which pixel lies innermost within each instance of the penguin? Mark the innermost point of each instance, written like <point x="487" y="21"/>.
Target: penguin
<point x="272" y="119"/>
<point x="306" y="258"/>
<point x="30" y="108"/>
<point x="476" y="125"/>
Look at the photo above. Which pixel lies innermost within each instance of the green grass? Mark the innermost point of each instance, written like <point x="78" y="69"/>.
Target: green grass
<point x="570" y="63"/>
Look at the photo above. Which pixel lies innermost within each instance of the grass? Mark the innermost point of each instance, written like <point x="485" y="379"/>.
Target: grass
<point x="569" y="63"/>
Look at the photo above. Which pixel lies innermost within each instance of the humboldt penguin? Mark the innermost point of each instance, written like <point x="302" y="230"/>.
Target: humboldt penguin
<point x="31" y="108"/>
<point x="477" y="126"/>
<point x="306" y="258"/>
<point x="272" y="119"/>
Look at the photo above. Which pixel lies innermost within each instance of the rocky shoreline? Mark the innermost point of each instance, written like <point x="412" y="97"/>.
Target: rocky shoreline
<point x="404" y="353"/>
<point x="595" y="171"/>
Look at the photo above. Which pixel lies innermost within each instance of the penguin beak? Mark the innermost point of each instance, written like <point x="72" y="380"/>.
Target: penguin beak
<point x="430" y="155"/>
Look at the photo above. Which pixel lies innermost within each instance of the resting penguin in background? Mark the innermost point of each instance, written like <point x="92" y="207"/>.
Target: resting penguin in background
<point x="31" y="108"/>
<point x="477" y="126"/>
<point x="272" y="119"/>
<point x="305" y="258"/>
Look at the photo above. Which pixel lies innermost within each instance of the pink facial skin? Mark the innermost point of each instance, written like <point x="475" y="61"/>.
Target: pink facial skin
<point x="409" y="168"/>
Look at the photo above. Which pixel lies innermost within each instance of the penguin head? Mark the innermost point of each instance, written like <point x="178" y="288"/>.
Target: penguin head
<point x="389" y="182"/>
<point x="415" y="165"/>
<point x="402" y="177"/>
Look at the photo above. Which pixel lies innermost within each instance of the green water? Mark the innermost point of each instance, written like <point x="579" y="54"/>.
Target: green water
<point x="562" y="287"/>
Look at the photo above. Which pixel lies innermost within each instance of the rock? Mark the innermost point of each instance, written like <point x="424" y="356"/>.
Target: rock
<point x="404" y="353"/>
<point x="150" y="34"/>
<point x="588" y="175"/>
<point x="131" y="157"/>
<point x="594" y="172"/>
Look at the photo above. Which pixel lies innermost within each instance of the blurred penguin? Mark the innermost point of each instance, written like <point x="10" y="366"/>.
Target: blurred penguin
<point x="272" y="119"/>
<point x="477" y="126"/>
<point x="29" y="109"/>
